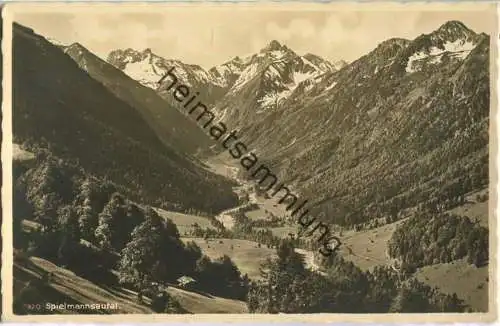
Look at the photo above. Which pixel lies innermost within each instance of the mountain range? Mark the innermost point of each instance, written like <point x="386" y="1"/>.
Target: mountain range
<point x="399" y="126"/>
<point x="148" y="68"/>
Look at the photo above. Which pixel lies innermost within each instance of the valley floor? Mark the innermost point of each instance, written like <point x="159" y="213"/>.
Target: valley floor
<point x="183" y="221"/>
<point x="247" y="255"/>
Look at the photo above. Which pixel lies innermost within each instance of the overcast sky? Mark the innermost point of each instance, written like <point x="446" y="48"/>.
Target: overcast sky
<point x="212" y="36"/>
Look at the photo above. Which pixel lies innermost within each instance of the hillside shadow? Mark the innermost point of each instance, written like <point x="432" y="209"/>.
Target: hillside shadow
<point x="32" y="296"/>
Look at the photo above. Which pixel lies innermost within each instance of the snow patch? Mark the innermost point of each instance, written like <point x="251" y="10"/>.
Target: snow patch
<point x="294" y="140"/>
<point x="307" y="62"/>
<point x="272" y="72"/>
<point x="299" y="77"/>
<point x="128" y="59"/>
<point x="277" y="54"/>
<point x="435" y="60"/>
<point x="142" y="71"/>
<point x="179" y="72"/>
<point x="269" y="99"/>
<point x="414" y="57"/>
<point x="332" y="85"/>
<point x="459" y="48"/>
<point x="245" y="77"/>
<point x="223" y="114"/>
<point x="274" y="98"/>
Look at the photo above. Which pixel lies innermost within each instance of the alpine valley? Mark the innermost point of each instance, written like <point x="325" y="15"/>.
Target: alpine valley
<point x="390" y="150"/>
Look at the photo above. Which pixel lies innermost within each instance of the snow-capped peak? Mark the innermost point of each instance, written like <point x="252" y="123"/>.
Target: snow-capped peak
<point x="279" y="72"/>
<point x="148" y="68"/>
<point x="452" y="38"/>
<point x="453" y="30"/>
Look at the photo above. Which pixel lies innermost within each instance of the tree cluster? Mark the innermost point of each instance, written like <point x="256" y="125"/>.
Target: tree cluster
<point x="431" y="238"/>
<point x="287" y="287"/>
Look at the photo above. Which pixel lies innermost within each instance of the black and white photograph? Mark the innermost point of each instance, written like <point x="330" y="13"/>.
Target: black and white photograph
<point x="244" y="159"/>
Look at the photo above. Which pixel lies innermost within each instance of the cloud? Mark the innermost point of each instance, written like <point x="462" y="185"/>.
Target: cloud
<point x="301" y="28"/>
<point x="210" y="37"/>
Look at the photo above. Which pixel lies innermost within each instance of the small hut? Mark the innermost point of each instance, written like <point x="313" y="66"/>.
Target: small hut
<point x="186" y="282"/>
